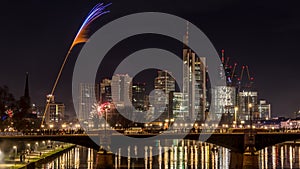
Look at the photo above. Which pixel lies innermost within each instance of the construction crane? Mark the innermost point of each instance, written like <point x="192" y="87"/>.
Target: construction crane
<point x="233" y="76"/>
<point x="222" y="51"/>
<point x="239" y="79"/>
<point x="227" y="61"/>
<point x="226" y="67"/>
<point x="233" y="71"/>
<point x="242" y="73"/>
<point x="250" y="79"/>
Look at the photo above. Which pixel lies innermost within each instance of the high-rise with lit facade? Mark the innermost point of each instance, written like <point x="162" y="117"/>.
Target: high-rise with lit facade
<point x="163" y="84"/>
<point x="194" y="83"/>
<point x="139" y="98"/>
<point x="105" y="91"/>
<point x="121" y="90"/>
<point x="89" y="93"/>
<point x="177" y="105"/>
<point x="264" y="110"/>
<point x="245" y="98"/>
<point x="55" y="112"/>
<point x="224" y="101"/>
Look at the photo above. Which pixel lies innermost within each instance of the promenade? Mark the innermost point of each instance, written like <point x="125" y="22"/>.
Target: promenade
<point x="33" y="157"/>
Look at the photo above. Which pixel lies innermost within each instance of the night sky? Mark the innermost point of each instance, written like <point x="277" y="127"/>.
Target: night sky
<point x="36" y="35"/>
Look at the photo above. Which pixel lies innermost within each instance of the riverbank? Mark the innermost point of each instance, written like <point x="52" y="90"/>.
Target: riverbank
<point x="36" y="158"/>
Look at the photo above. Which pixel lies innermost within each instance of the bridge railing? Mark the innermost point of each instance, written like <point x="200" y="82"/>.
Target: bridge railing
<point x="9" y="133"/>
<point x="169" y="131"/>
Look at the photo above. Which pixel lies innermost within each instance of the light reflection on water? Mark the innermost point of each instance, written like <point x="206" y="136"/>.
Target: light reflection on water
<point x="188" y="154"/>
<point x="280" y="157"/>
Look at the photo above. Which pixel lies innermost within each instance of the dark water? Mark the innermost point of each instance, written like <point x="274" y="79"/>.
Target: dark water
<point x="189" y="154"/>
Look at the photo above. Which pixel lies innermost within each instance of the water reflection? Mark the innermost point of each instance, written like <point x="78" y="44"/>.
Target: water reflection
<point x="182" y="155"/>
<point x="187" y="154"/>
<point x="76" y="158"/>
<point x="281" y="156"/>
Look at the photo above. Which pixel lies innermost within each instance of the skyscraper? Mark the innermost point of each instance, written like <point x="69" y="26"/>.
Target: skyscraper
<point x="194" y="82"/>
<point x="121" y="88"/>
<point x="105" y="91"/>
<point x="177" y="108"/>
<point x="164" y="83"/>
<point x="139" y="98"/>
<point x="224" y="101"/>
<point x="244" y="99"/>
<point x="89" y="93"/>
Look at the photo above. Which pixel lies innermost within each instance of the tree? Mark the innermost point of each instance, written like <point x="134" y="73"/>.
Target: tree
<point x="7" y="106"/>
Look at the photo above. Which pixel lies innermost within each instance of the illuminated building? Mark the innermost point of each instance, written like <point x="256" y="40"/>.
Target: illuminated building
<point x="87" y="98"/>
<point x="178" y="105"/>
<point x="55" y="112"/>
<point x="224" y="101"/>
<point x="244" y="99"/>
<point x="264" y="110"/>
<point x="105" y="91"/>
<point x="139" y="98"/>
<point x="163" y="84"/>
<point x="121" y="90"/>
<point x="194" y="83"/>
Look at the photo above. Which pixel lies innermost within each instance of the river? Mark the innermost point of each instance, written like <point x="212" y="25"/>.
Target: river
<point x="189" y="154"/>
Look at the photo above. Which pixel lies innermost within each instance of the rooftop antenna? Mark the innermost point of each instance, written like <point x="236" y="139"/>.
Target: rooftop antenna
<point x="186" y="36"/>
<point x="187" y="33"/>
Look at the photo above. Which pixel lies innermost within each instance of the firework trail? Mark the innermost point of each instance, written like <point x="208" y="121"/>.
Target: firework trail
<point x="81" y="37"/>
<point x="95" y="13"/>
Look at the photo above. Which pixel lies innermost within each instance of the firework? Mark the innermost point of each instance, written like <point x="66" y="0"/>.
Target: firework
<point x="95" y="13"/>
<point x="81" y="37"/>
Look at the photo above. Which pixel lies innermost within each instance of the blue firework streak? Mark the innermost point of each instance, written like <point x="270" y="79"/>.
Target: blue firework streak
<point x="95" y="13"/>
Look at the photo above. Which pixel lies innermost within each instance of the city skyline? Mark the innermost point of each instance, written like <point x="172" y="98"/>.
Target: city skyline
<point x="265" y="39"/>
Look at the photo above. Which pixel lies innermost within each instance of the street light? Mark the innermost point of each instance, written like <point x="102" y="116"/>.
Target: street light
<point x="106" y="109"/>
<point x="16" y="150"/>
<point x="43" y="128"/>
<point x="167" y="123"/>
<point x="36" y="145"/>
<point x="28" y="147"/>
<point x="250" y="112"/>
<point x="51" y="126"/>
<point x="235" y="114"/>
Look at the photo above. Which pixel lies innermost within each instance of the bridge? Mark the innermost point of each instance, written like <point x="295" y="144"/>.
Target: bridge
<point x="236" y="142"/>
<point x="243" y="145"/>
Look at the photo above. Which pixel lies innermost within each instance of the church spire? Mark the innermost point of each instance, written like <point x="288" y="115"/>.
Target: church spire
<point x="25" y="100"/>
<point x="26" y="91"/>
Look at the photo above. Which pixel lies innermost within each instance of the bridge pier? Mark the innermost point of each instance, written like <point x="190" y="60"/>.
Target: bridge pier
<point x="250" y="156"/>
<point x="236" y="160"/>
<point x="104" y="155"/>
<point x="243" y="160"/>
<point x="250" y="160"/>
<point x="104" y="159"/>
